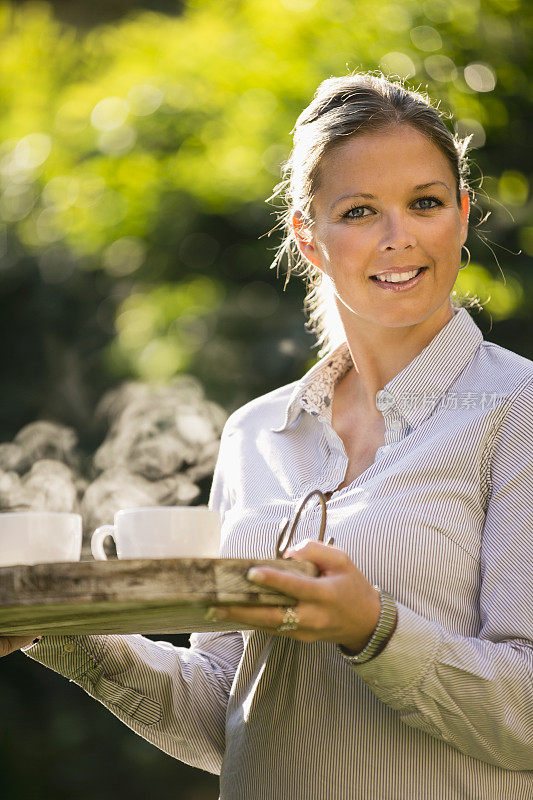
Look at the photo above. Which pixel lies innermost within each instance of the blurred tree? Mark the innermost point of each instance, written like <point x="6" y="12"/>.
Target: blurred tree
<point x="88" y="15"/>
<point x="136" y="159"/>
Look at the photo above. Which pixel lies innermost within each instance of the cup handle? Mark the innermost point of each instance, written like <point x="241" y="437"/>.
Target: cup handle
<point x="97" y="541"/>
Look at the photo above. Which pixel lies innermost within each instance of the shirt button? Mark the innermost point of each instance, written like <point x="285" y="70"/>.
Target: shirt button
<point x="384" y="400"/>
<point x="69" y="647"/>
<point x="396" y="425"/>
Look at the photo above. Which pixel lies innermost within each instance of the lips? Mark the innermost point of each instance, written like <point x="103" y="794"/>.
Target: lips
<point x="401" y="286"/>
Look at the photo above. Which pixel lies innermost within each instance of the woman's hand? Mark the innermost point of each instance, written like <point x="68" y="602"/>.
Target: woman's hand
<point x="8" y="644"/>
<point x="339" y="605"/>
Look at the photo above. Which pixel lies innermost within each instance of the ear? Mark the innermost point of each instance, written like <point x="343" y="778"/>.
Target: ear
<point x="464" y="214"/>
<point x="304" y="239"/>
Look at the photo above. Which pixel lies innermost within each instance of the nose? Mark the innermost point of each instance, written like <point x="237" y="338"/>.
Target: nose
<point x="397" y="232"/>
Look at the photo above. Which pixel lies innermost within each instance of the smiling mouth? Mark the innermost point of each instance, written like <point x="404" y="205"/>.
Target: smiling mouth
<point x="397" y="277"/>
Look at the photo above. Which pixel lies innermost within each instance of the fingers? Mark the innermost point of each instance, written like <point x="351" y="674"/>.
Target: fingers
<point x="299" y="586"/>
<point x="328" y="559"/>
<point x="8" y="644"/>
<point x="268" y="618"/>
<point x="255" y="616"/>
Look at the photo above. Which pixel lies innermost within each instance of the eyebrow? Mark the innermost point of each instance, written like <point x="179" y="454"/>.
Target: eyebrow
<point x="373" y="197"/>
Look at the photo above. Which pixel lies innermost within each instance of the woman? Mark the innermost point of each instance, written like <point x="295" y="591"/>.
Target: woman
<point x="405" y="668"/>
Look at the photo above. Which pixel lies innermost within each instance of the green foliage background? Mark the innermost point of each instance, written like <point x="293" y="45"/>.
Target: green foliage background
<point x="136" y="157"/>
<point x="135" y="160"/>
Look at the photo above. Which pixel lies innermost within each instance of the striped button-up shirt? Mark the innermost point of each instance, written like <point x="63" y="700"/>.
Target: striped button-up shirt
<point x="442" y="520"/>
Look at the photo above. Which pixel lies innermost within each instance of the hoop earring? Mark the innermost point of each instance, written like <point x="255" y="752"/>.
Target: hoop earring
<point x="462" y="266"/>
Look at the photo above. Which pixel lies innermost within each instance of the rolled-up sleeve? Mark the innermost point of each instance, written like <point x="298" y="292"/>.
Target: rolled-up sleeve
<point x="174" y="697"/>
<point x="476" y="694"/>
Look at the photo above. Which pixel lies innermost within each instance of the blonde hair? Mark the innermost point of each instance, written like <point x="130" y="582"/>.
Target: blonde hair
<point x="348" y="106"/>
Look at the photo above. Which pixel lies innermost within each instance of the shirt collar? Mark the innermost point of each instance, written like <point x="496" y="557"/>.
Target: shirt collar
<point x="414" y="392"/>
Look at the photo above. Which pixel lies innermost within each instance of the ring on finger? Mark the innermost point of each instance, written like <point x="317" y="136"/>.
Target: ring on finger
<point x="289" y="621"/>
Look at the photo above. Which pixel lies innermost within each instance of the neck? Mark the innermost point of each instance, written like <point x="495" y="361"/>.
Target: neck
<point x="380" y="352"/>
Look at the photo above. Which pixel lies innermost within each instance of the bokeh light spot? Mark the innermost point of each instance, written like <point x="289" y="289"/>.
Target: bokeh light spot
<point x="32" y="150"/>
<point x="124" y="256"/>
<point x="177" y="96"/>
<point x="440" y="68"/>
<point x="288" y="347"/>
<point x="426" y="38"/>
<point x="161" y="359"/>
<point x="110" y="113"/>
<point x="480" y="77"/>
<point x="398" y="64"/>
<point x="466" y="127"/>
<point x="137" y="322"/>
<point x="144" y="99"/>
<point x="61" y="192"/>
<point x="21" y="157"/>
<point x="16" y="202"/>
<point x="513" y="188"/>
<point x="118" y="141"/>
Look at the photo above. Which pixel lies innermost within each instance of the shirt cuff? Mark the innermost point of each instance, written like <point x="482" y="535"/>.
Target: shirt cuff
<point x="406" y="658"/>
<point x="100" y="665"/>
<point x="71" y="656"/>
<point x="28" y="647"/>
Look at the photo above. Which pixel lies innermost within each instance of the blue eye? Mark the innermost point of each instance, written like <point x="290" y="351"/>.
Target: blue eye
<point x="347" y="215"/>
<point x="424" y="204"/>
<point x="428" y="200"/>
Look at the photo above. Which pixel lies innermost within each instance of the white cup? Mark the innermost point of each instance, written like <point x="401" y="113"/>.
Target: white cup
<point x="161" y="532"/>
<point x="38" y="537"/>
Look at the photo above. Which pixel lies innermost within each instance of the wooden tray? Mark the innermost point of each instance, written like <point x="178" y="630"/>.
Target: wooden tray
<point x="167" y="595"/>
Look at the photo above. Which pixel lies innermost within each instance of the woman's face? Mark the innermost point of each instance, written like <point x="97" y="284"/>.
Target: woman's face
<point x="385" y="202"/>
